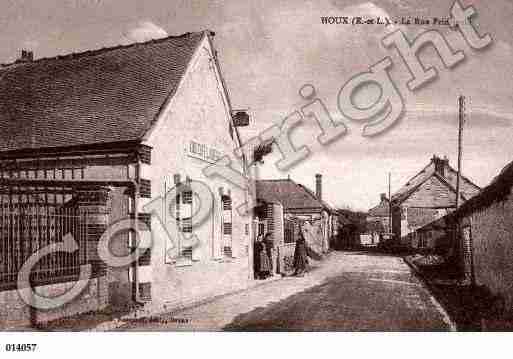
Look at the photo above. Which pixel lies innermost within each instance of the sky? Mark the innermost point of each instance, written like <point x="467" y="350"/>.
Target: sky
<point x="269" y="49"/>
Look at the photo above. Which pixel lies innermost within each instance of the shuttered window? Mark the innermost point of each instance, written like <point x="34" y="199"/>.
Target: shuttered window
<point x="227" y="225"/>
<point x="145" y="291"/>
<point x="227" y="251"/>
<point x="227" y="203"/>
<point x="186" y="225"/>
<point x="227" y="228"/>
<point x="187" y="252"/>
<point x="261" y="229"/>
<point x="184" y="211"/>
<point x="187" y="197"/>
<point x="183" y="217"/>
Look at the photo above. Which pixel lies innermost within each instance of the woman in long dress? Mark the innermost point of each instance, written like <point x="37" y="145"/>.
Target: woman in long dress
<point x="262" y="262"/>
<point x="269" y="250"/>
<point x="300" y="256"/>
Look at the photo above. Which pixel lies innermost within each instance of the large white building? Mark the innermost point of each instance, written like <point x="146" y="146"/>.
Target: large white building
<point x="128" y="124"/>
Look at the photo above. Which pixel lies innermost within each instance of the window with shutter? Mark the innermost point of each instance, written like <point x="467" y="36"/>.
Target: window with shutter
<point x="227" y="226"/>
<point x="184" y="220"/>
<point x="227" y="251"/>
<point x="187" y="197"/>
<point x="227" y="203"/>
<point x="177" y="208"/>
<point x="187" y="225"/>
<point x="187" y="252"/>
<point x="186" y="212"/>
<point x="145" y="291"/>
<point x="261" y="228"/>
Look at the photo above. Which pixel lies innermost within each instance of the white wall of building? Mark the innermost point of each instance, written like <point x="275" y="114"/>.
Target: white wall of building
<point x="198" y="113"/>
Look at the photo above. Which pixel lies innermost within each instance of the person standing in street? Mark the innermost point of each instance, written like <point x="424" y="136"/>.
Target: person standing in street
<point x="269" y="249"/>
<point x="262" y="261"/>
<point x="300" y="256"/>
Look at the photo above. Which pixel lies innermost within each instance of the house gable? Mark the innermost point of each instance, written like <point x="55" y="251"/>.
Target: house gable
<point x="381" y="210"/>
<point x="202" y="71"/>
<point x="199" y="113"/>
<point x="191" y="133"/>
<point x="468" y="189"/>
<point x="446" y="175"/>
<point x="432" y="193"/>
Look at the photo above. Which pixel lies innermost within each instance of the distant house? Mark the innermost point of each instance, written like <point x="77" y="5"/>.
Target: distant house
<point x="427" y="196"/>
<point x="107" y="134"/>
<point x="299" y="202"/>
<point x="378" y="219"/>
<point x="483" y="229"/>
<point x="352" y="229"/>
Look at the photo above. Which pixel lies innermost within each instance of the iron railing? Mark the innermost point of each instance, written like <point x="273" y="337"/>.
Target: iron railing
<point x="29" y="222"/>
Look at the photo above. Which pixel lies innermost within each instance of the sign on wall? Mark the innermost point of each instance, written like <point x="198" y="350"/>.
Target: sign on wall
<point x="203" y="152"/>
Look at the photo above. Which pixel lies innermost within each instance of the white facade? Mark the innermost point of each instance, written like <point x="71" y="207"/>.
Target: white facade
<point x="191" y="133"/>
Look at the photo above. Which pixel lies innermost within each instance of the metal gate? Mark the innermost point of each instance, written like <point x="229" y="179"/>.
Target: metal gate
<point x="33" y="218"/>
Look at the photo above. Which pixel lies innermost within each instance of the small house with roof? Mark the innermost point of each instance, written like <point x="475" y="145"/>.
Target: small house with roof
<point x="378" y="219"/>
<point x="90" y="139"/>
<point x="481" y="254"/>
<point x="298" y="203"/>
<point x="427" y="196"/>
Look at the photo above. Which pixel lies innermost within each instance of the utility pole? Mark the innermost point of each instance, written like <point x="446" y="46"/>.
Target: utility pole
<point x="461" y="122"/>
<point x="466" y="240"/>
<point x="389" y="204"/>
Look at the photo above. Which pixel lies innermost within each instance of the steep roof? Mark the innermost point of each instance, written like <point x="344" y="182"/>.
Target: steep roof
<point x="107" y="95"/>
<point x="498" y="190"/>
<point x="467" y="188"/>
<point x="290" y="194"/>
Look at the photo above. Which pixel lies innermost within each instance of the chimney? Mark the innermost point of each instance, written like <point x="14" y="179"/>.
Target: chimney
<point x="440" y="164"/>
<point x="383" y="197"/>
<point x="26" y="56"/>
<point x="318" y="185"/>
<point x="176" y="179"/>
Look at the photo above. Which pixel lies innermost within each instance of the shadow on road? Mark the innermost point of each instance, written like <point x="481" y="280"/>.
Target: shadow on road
<point x="349" y="302"/>
<point x="372" y="253"/>
<point x="286" y="315"/>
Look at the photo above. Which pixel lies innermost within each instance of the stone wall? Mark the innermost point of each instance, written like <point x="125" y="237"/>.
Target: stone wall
<point x="491" y="231"/>
<point x="15" y="313"/>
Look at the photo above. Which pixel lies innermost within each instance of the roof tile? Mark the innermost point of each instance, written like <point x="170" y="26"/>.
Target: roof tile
<point x="468" y="188"/>
<point x="289" y="193"/>
<point x="100" y="96"/>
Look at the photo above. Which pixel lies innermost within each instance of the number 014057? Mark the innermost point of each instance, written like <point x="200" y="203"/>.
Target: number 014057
<point x="20" y="347"/>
